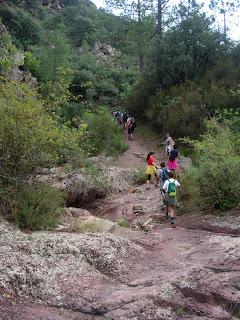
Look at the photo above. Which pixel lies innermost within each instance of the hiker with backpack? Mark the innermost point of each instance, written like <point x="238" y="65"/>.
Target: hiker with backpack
<point x="163" y="176"/>
<point x="172" y="161"/>
<point x="170" y="187"/>
<point x="124" y="120"/>
<point x="151" y="169"/>
<point x="131" y="125"/>
<point x="118" y="117"/>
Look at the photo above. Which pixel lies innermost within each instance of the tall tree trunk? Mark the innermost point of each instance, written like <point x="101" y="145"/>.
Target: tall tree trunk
<point x="140" y="48"/>
<point x="141" y="60"/>
<point x="224" y="25"/>
<point x="159" y="18"/>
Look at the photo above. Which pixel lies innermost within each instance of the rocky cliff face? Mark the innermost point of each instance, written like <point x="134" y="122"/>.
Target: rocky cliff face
<point x="19" y="72"/>
<point x="102" y="50"/>
<point x="54" y="5"/>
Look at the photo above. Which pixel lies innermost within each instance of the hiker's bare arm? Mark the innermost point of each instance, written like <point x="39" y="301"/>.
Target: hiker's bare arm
<point x="155" y="165"/>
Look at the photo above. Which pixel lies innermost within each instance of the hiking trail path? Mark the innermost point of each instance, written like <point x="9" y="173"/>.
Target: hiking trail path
<point x="189" y="271"/>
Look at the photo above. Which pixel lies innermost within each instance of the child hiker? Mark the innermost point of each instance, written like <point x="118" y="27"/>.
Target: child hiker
<point x="170" y="188"/>
<point x="163" y="176"/>
<point x="173" y="156"/>
<point x="151" y="168"/>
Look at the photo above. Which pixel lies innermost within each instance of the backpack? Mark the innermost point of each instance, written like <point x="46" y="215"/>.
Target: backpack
<point x="164" y="175"/>
<point x="125" y="116"/>
<point x="173" y="155"/>
<point x="172" y="189"/>
<point x="134" y="125"/>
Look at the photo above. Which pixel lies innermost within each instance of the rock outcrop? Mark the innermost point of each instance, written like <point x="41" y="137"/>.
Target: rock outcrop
<point x="54" y="5"/>
<point x="103" y="51"/>
<point x="19" y="72"/>
<point x="82" y="221"/>
<point x="85" y="185"/>
<point x="171" y="274"/>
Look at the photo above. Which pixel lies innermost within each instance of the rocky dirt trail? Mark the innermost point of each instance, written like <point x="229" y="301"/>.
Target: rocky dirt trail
<point x="147" y="271"/>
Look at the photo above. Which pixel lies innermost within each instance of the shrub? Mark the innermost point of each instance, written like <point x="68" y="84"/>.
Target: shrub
<point x="34" y="207"/>
<point x="214" y="182"/>
<point x="103" y="134"/>
<point x="7" y="52"/>
<point x="31" y="63"/>
<point x="140" y="175"/>
<point x="29" y="136"/>
<point x="123" y="222"/>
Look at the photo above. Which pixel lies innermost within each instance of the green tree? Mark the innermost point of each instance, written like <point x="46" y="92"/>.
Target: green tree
<point x="55" y="54"/>
<point x="161" y="11"/>
<point x="139" y="14"/>
<point x="25" y="30"/>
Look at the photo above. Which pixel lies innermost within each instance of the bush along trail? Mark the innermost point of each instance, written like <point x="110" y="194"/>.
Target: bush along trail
<point x="119" y="258"/>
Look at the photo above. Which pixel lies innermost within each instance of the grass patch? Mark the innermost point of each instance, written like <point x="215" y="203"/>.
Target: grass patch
<point x="87" y="227"/>
<point x="122" y="222"/>
<point x="181" y="311"/>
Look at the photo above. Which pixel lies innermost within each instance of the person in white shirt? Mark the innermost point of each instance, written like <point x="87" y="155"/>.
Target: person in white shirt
<point x="170" y="187"/>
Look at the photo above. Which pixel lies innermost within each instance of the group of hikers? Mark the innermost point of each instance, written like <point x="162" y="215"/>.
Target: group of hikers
<point x="126" y="121"/>
<point x="165" y="177"/>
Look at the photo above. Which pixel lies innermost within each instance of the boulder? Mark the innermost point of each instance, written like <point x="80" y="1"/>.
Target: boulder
<point x="85" y="185"/>
<point x="104" y="52"/>
<point x="81" y="221"/>
<point x="78" y="213"/>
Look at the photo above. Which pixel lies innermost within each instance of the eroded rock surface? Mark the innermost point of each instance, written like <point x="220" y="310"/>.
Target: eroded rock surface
<point x="168" y="273"/>
<point x="85" y="185"/>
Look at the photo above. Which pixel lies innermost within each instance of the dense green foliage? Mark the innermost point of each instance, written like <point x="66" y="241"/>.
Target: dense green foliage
<point x="103" y="133"/>
<point x="214" y="181"/>
<point x="25" y="30"/>
<point x="34" y="207"/>
<point x="191" y="72"/>
<point x="29" y="136"/>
